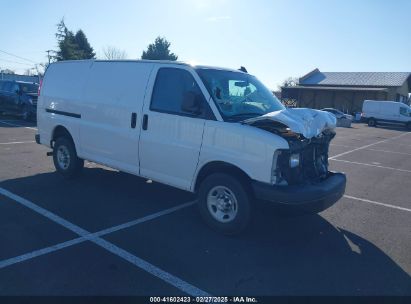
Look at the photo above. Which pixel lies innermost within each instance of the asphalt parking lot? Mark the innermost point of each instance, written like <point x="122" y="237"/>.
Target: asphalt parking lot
<point x="110" y="233"/>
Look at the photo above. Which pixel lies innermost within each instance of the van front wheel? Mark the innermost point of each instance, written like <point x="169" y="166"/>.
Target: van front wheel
<point x="224" y="203"/>
<point x="65" y="158"/>
<point x="372" y="122"/>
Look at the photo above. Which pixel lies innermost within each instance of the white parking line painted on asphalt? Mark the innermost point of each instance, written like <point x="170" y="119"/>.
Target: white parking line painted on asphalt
<point x="56" y="247"/>
<point x="16" y="125"/>
<point x="17" y="142"/>
<point x="400" y="144"/>
<point x="376" y="150"/>
<point x="140" y="263"/>
<point x="370" y="165"/>
<point x="370" y="145"/>
<point x="40" y="252"/>
<point x="338" y="145"/>
<point x="386" y="151"/>
<point x="377" y="203"/>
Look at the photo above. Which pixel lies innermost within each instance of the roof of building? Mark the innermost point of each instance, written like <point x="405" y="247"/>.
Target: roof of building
<point x="325" y="88"/>
<point x="364" y="79"/>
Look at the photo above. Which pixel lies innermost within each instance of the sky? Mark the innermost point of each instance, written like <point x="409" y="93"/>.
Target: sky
<point x="273" y="39"/>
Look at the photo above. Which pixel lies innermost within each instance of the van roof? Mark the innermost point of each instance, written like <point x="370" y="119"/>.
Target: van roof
<point x="387" y="101"/>
<point x="152" y="61"/>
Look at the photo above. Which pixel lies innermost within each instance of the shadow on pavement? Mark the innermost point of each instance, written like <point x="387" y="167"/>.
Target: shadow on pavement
<point x="15" y="122"/>
<point x="303" y="255"/>
<point x="98" y="198"/>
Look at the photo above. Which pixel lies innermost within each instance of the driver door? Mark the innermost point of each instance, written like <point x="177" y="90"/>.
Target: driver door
<point x="171" y="138"/>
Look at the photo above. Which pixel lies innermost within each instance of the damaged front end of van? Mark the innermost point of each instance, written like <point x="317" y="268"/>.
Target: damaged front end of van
<point x="300" y="175"/>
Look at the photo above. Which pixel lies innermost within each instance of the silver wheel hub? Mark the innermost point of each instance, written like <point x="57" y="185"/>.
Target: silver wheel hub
<point x="63" y="157"/>
<point x="222" y="204"/>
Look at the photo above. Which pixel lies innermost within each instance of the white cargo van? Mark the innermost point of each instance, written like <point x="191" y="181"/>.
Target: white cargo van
<point x="390" y="112"/>
<point x="215" y="132"/>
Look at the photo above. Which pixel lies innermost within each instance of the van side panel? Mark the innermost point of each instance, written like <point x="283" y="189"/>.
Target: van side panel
<point x="113" y="92"/>
<point x="62" y="90"/>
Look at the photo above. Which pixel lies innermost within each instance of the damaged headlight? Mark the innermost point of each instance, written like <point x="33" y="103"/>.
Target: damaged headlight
<point x="294" y="160"/>
<point x="275" y="178"/>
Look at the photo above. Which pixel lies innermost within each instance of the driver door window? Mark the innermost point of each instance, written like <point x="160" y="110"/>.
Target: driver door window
<point x="403" y="111"/>
<point x="170" y="88"/>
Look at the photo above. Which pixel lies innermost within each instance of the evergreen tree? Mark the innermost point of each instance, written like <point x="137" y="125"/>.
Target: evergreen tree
<point x="159" y="50"/>
<point x="84" y="48"/>
<point x="70" y="46"/>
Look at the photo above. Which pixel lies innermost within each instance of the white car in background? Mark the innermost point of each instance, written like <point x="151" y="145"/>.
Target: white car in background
<point x="343" y="120"/>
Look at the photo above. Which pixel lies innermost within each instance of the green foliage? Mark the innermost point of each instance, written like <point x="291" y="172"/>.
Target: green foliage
<point x="84" y="48"/>
<point x="70" y="46"/>
<point x="159" y="50"/>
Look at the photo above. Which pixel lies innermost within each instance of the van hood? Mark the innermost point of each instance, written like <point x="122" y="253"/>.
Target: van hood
<point x="307" y="122"/>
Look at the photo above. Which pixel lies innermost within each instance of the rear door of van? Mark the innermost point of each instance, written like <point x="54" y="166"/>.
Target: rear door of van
<point x="171" y="138"/>
<point x="111" y="118"/>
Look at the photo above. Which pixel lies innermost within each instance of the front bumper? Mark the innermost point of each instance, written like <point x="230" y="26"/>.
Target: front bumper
<point x="306" y="198"/>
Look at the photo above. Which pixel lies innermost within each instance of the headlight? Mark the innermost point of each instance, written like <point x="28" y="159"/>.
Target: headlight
<point x="274" y="177"/>
<point x="30" y="101"/>
<point x="294" y="160"/>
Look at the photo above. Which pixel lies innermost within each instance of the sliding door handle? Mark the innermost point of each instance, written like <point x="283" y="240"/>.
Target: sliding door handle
<point x="145" y="121"/>
<point x="133" y="120"/>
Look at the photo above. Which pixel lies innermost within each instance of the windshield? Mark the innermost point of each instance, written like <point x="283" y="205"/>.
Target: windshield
<point x="238" y="95"/>
<point x="28" y="88"/>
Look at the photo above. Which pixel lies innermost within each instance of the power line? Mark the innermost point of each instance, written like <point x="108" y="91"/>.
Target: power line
<point x="15" y="62"/>
<point x="10" y="54"/>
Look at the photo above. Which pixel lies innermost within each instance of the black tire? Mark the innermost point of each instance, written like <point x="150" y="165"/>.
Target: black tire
<point x="372" y="122"/>
<point x="238" y="222"/>
<point x="74" y="165"/>
<point x="25" y="113"/>
<point x="409" y="126"/>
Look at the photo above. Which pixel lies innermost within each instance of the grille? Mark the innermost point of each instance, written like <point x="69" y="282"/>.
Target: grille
<point x="313" y="164"/>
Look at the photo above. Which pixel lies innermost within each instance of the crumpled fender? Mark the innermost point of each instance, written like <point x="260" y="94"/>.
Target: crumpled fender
<point x="307" y="122"/>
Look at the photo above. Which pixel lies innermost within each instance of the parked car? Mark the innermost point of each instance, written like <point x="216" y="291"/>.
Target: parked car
<point x="18" y="98"/>
<point x="343" y="120"/>
<point x="215" y="132"/>
<point x="386" y="112"/>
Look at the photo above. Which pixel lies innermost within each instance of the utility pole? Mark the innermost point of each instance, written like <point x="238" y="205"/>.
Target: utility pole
<point x="48" y="54"/>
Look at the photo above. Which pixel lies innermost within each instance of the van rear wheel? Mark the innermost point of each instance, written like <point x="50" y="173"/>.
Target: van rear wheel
<point x="224" y="203"/>
<point x="65" y="158"/>
<point x="372" y="122"/>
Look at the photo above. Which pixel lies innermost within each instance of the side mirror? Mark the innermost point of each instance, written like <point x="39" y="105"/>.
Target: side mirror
<point x="191" y="103"/>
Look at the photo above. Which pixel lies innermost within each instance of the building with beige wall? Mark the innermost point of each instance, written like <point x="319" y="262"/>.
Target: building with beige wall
<point x="347" y="91"/>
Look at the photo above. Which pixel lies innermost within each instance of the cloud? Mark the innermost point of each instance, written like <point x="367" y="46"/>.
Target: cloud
<point x="218" y="18"/>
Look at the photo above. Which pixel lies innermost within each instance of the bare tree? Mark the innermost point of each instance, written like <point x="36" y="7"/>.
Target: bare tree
<point x="290" y="82"/>
<point x="7" y="71"/>
<point x="111" y="53"/>
<point x="28" y="72"/>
